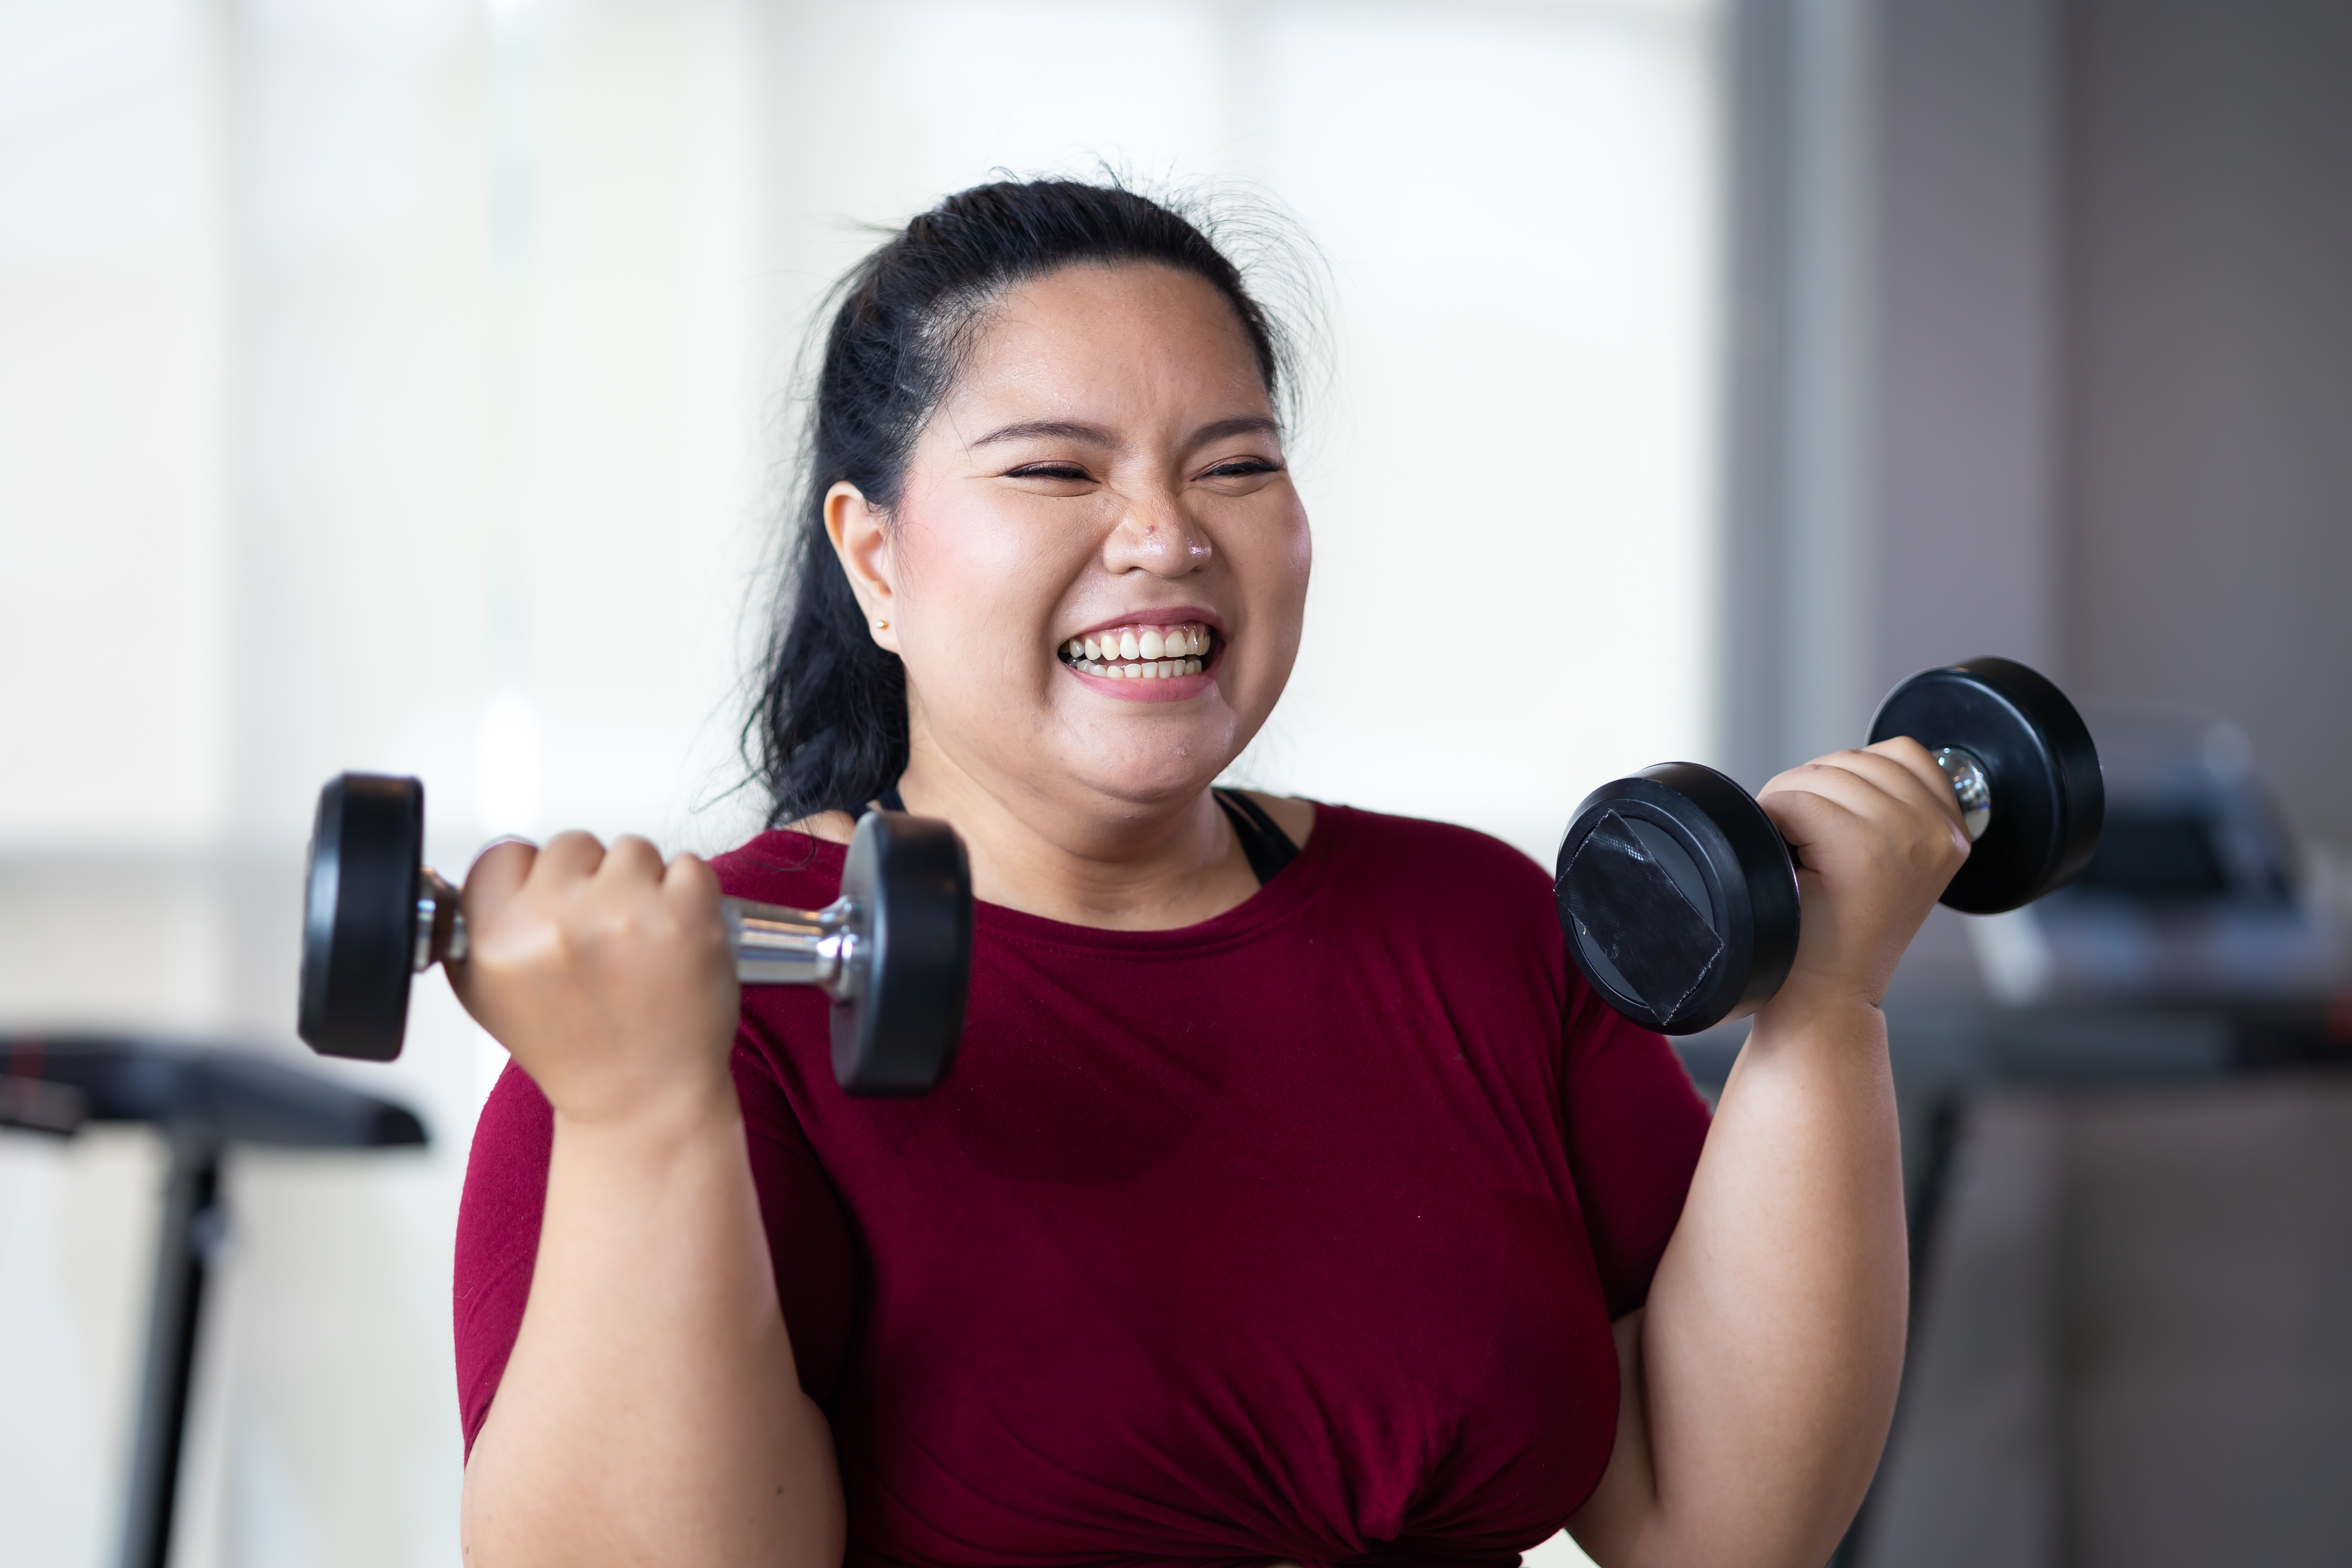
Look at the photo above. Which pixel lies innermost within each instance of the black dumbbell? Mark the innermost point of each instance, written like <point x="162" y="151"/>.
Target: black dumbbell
<point x="1679" y="898"/>
<point x="894" y="951"/>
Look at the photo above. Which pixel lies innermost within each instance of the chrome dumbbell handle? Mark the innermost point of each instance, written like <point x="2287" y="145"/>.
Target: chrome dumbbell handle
<point x="1970" y="788"/>
<point x="773" y="945"/>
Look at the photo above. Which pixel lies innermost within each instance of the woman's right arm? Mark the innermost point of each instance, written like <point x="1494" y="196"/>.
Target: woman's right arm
<point x="650" y="1412"/>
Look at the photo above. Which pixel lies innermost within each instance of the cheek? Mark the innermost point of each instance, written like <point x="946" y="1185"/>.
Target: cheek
<point x="1276" y="562"/>
<point x="977" y="585"/>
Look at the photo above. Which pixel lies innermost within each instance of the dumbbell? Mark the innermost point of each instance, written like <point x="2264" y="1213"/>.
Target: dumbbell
<point x="1679" y="898"/>
<point x="894" y="951"/>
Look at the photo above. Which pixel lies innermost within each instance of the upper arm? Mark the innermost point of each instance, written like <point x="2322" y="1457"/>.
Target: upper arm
<point x="1610" y="1524"/>
<point x="1634" y="1126"/>
<point x="506" y="1193"/>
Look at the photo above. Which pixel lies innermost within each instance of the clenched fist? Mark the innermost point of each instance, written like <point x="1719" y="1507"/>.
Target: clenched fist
<point x="605" y="972"/>
<point x="1876" y="835"/>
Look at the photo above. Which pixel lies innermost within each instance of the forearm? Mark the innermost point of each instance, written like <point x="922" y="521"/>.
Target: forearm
<point x="650" y="1412"/>
<point x="1772" y="1347"/>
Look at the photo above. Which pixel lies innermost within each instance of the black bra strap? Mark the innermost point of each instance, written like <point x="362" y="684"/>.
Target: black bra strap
<point x="888" y="799"/>
<point x="1266" y="845"/>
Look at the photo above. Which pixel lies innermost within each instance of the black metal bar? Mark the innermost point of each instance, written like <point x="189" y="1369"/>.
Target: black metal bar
<point x="192" y="1226"/>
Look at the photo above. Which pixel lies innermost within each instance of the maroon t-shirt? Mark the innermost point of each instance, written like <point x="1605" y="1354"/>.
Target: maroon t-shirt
<point x="1297" y="1232"/>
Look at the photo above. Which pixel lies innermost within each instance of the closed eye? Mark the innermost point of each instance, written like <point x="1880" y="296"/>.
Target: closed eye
<point x="1066" y="471"/>
<point x="1243" y="467"/>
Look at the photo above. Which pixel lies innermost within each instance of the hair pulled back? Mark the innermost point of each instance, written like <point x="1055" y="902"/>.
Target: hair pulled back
<point x="829" y="733"/>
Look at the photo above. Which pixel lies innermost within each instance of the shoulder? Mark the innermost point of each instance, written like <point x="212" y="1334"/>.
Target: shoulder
<point x="1294" y="815"/>
<point x="1433" y="860"/>
<point x="784" y="866"/>
<point x="1422" y="843"/>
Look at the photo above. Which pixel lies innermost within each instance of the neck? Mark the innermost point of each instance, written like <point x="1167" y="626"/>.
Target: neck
<point x="1081" y="857"/>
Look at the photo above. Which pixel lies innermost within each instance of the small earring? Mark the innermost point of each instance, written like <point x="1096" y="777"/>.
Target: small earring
<point x="880" y="625"/>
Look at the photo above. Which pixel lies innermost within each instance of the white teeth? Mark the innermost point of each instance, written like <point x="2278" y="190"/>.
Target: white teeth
<point x="1154" y="653"/>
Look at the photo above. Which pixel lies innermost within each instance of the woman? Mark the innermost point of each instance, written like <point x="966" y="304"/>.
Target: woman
<point x="1291" y="1200"/>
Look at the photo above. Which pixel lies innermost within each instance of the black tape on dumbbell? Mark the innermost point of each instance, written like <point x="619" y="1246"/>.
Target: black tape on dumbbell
<point x="1678" y="898"/>
<point x="1629" y="912"/>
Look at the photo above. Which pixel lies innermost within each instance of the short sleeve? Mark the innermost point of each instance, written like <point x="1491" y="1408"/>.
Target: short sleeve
<point x="505" y="1192"/>
<point x="1636" y="1126"/>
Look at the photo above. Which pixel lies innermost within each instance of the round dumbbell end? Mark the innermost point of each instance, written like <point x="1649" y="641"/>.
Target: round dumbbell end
<point x="1677" y="897"/>
<point x="359" y="915"/>
<point x="896" y="1032"/>
<point x="2041" y="772"/>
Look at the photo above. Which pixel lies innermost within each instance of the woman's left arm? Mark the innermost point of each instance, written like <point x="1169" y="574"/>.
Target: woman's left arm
<point x="1759" y="1379"/>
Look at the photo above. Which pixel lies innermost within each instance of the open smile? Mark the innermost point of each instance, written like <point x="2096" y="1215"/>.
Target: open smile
<point x="1143" y="662"/>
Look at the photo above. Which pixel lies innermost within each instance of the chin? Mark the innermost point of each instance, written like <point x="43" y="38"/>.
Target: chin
<point x="1162" y="774"/>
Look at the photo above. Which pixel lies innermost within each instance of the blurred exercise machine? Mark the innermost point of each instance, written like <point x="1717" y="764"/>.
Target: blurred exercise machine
<point x="200" y="1100"/>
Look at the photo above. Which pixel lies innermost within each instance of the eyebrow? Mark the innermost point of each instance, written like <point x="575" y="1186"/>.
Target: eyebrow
<point x="1047" y="430"/>
<point x="1096" y="435"/>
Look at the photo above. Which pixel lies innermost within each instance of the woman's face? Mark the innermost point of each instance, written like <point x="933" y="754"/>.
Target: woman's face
<point x="1097" y="571"/>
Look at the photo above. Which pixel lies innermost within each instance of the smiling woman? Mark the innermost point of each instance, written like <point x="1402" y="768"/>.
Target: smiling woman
<point x="1292" y="1200"/>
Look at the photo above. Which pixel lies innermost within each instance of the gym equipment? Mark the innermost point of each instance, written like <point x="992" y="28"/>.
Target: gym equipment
<point x="1679" y="898"/>
<point x="201" y="1101"/>
<point x="894" y="951"/>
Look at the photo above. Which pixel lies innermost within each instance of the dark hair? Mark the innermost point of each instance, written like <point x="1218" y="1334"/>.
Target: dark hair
<point x="829" y="731"/>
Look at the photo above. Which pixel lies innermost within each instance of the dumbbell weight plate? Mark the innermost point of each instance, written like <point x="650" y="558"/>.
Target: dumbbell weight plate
<point x="1678" y="897"/>
<point x="2047" y="796"/>
<point x="359" y="915"/>
<point x="911" y="881"/>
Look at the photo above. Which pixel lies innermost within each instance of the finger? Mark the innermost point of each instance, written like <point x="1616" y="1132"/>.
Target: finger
<point x="1872" y="782"/>
<point x="497" y="876"/>
<point x="1897" y="809"/>
<point x="1920" y="763"/>
<point x="568" y="856"/>
<point x="689" y="877"/>
<point x="1906" y="772"/>
<point x="691" y="888"/>
<point x="1806" y="818"/>
<point x="632" y="859"/>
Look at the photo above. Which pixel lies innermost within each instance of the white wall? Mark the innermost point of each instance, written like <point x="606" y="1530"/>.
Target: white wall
<point x="395" y="384"/>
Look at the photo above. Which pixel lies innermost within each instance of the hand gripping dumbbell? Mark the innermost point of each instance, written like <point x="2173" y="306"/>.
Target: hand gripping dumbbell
<point x="1679" y="898"/>
<point x="894" y="951"/>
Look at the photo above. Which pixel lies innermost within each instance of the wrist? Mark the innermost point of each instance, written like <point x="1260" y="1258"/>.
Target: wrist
<point x="1818" y="1010"/>
<point x="675" y="1111"/>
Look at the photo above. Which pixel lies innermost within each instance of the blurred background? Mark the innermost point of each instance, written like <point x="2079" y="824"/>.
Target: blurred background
<point x="406" y="386"/>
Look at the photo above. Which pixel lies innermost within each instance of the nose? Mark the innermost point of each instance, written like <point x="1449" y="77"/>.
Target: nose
<point x="1155" y="534"/>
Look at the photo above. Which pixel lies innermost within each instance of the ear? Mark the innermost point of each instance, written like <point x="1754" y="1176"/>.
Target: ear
<point x="863" y="546"/>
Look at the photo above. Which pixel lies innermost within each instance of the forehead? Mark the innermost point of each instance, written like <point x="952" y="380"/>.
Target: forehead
<point x="1110" y="337"/>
